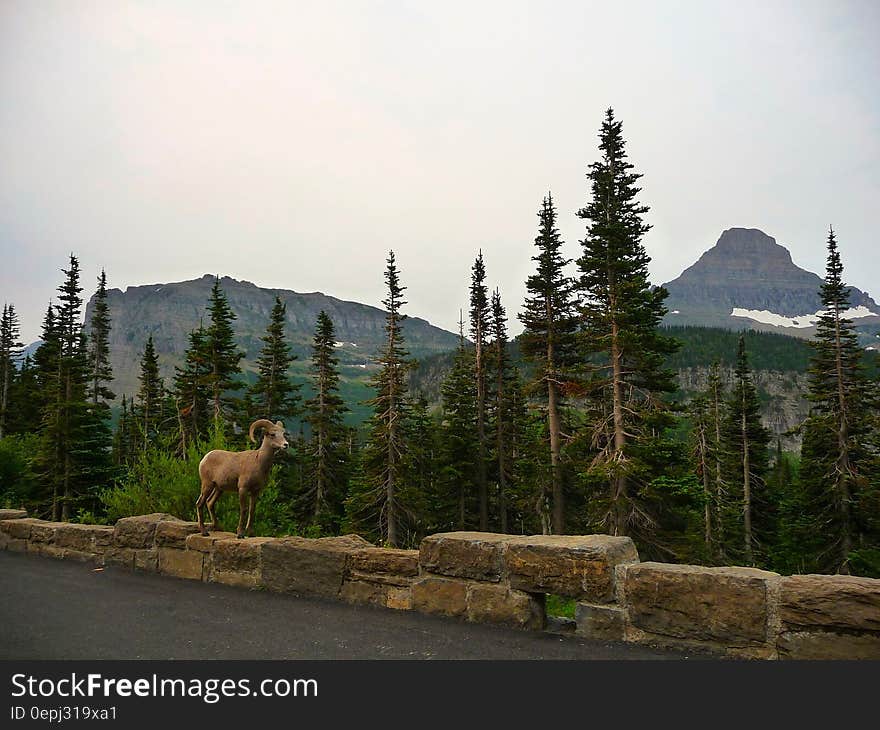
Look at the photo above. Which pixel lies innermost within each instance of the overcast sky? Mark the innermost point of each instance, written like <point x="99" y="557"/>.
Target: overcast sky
<point x="292" y="144"/>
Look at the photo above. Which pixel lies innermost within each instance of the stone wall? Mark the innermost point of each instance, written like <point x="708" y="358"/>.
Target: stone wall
<point x="500" y="579"/>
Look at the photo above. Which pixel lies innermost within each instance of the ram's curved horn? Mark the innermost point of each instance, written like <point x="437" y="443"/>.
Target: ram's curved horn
<point x="261" y="423"/>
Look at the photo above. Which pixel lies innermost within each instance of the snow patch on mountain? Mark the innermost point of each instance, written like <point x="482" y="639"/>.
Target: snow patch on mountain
<point x="807" y="320"/>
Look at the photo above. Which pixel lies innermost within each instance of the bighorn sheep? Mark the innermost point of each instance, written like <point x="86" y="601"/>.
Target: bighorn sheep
<point x="243" y="471"/>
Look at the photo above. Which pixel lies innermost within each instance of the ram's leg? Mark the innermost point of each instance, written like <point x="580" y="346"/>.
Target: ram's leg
<point x="242" y="505"/>
<point x="252" y="510"/>
<point x="212" y="500"/>
<point x="206" y="488"/>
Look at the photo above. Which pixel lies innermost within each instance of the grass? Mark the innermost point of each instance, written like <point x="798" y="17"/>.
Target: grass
<point x="559" y="606"/>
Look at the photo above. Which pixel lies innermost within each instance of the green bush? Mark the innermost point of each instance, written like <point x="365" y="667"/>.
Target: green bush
<point x="18" y="483"/>
<point x="865" y="562"/>
<point x="560" y="606"/>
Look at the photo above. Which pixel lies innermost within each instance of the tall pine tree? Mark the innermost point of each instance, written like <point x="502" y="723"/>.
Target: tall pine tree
<point x="421" y="466"/>
<point x="328" y="446"/>
<point x="548" y="341"/>
<point x="64" y="420"/>
<point x="379" y="498"/>
<point x="46" y="356"/>
<point x="10" y="354"/>
<point x="274" y="396"/>
<point x="621" y="313"/>
<point x="701" y="437"/>
<point x="122" y="437"/>
<point x="503" y="411"/>
<point x="746" y="441"/>
<point x="224" y="356"/>
<point x="836" y="465"/>
<point x="100" y="371"/>
<point x="150" y="396"/>
<point x="24" y="400"/>
<point x="192" y="390"/>
<point x="715" y="404"/>
<point x="707" y="412"/>
<point x="479" y="316"/>
<point x="96" y="462"/>
<point x="458" y="431"/>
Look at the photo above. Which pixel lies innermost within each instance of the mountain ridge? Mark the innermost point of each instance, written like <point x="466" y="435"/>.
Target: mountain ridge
<point x="170" y="311"/>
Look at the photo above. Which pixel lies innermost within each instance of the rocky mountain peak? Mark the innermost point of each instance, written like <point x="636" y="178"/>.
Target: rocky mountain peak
<point x="748" y="271"/>
<point x="749" y="242"/>
<point x="741" y="250"/>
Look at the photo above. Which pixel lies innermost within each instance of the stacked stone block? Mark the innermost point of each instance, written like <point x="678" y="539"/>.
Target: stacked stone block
<point x="504" y="579"/>
<point x="829" y="617"/>
<point x="729" y="609"/>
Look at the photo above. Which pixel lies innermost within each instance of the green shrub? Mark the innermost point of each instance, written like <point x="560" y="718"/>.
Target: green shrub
<point x="18" y="483"/>
<point x="87" y="517"/>
<point x="560" y="606"/>
<point x="865" y="562"/>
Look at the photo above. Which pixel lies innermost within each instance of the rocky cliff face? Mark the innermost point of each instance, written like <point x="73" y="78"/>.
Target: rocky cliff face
<point x="783" y="404"/>
<point x="748" y="270"/>
<point x="171" y="311"/>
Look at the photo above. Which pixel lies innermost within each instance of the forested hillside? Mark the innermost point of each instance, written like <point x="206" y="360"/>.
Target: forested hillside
<point x="779" y="364"/>
<point x="170" y="312"/>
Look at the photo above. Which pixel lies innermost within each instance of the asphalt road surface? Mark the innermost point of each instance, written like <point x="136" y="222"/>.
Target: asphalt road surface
<point x="53" y="609"/>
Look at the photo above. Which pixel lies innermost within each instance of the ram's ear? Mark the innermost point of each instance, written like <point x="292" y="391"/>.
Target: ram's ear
<point x="280" y="425"/>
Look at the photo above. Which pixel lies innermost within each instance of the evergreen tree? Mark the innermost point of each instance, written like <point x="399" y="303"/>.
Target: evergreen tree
<point x="548" y="340"/>
<point x="784" y="487"/>
<point x="10" y="354"/>
<point x="192" y="390"/>
<point x="65" y="415"/>
<point x="122" y="437"/>
<point x="528" y="498"/>
<point x="274" y="396"/>
<point x="47" y="364"/>
<point x="421" y="466"/>
<point x="72" y="383"/>
<point x="459" y="453"/>
<point x="95" y="450"/>
<point x="46" y="356"/>
<point x="328" y="447"/>
<point x="503" y="409"/>
<point x="100" y="371"/>
<point x="621" y="313"/>
<point x="745" y="444"/>
<point x="224" y="356"/>
<point x="701" y="436"/>
<point x="379" y="497"/>
<point x="836" y="465"/>
<point x="479" y="316"/>
<point x="150" y="396"/>
<point x="715" y="404"/>
<point x="707" y="413"/>
<point x="23" y="412"/>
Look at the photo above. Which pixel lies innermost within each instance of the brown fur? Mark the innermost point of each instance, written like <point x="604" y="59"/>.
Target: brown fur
<point x="244" y="472"/>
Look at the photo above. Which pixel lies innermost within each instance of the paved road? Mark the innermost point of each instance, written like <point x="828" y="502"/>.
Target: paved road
<point x="52" y="609"/>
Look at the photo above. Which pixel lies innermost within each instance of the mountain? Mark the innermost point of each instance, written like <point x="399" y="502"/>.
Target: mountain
<point x="748" y="281"/>
<point x="171" y="311"/>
